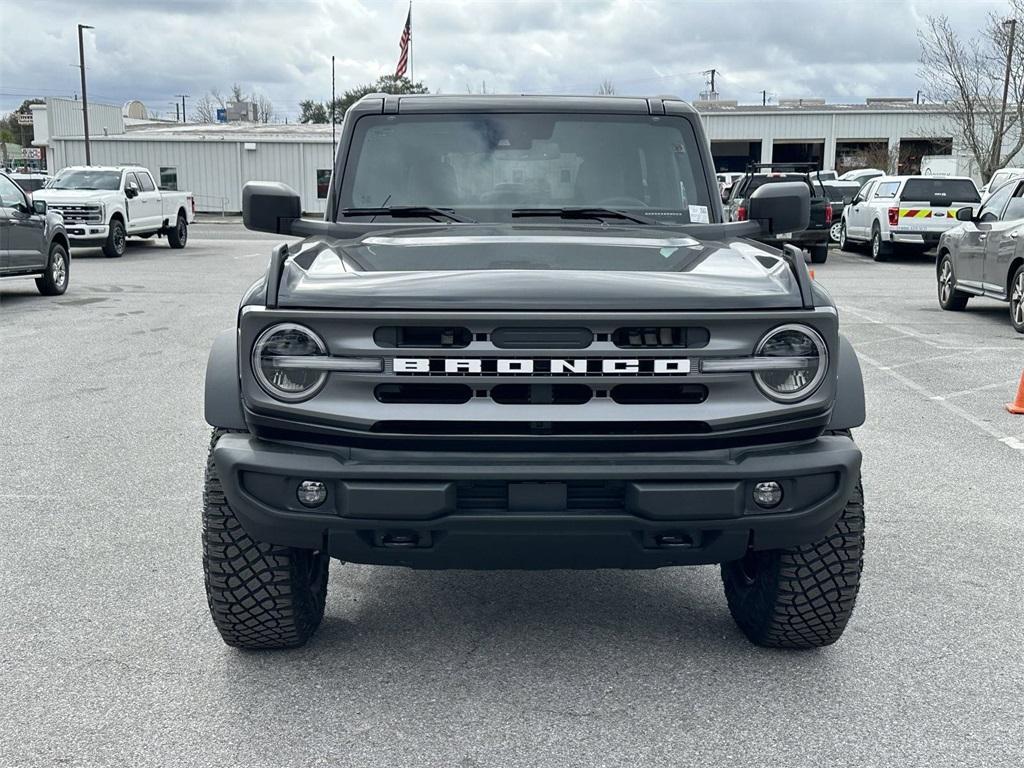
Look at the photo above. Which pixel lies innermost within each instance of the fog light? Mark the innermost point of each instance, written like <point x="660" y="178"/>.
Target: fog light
<point x="312" y="493"/>
<point x="768" y="494"/>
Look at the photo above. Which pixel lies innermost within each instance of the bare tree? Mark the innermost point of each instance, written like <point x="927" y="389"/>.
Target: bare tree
<point x="264" y="109"/>
<point x="606" y="88"/>
<point x="968" y="76"/>
<point x="205" y="109"/>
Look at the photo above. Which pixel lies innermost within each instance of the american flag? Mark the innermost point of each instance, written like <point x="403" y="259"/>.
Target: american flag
<point x="403" y="46"/>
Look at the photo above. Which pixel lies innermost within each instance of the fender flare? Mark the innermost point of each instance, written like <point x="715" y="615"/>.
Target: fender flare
<point x="223" y="400"/>
<point x="849" y="410"/>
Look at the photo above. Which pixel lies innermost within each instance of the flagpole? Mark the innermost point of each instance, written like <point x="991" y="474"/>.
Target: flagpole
<point x="334" y="143"/>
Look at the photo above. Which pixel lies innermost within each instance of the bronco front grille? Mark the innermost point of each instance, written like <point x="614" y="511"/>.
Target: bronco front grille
<point x="79" y="214"/>
<point x="513" y="378"/>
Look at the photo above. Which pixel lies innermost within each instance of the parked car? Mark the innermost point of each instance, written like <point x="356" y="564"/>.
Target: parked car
<point x="840" y="195"/>
<point x="30" y="182"/>
<point x="33" y="242"/>
<point x="908" y="212"/>
<point x="999" y="178"/>
<point x="104" y="206"/>
<point x="983" y="255"/>
<point x="862" y="175"/>
<point x="725" y="181"/>
<point x="816" y="236"/>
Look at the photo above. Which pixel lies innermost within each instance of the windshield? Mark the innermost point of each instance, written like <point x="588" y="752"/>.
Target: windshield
<point x="87" y="179"/>
<point x="488" y="165"/>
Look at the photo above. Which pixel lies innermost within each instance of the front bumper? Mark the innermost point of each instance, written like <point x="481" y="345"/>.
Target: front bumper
<point x="554" y="510"/>
<point x="85" y="235"/>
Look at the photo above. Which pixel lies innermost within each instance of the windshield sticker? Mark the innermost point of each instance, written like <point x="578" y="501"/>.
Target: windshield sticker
<point x="699" y="214"/>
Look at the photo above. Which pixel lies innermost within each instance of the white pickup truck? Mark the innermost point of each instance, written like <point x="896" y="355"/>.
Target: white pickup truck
<point x="909" y="212"/>
<point x="104" y="206"/>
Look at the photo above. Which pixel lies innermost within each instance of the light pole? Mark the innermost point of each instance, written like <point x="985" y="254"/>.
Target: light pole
<point x="997" y="145"/>
<point x="182" y="96"/>
<point x="85" y="98"/>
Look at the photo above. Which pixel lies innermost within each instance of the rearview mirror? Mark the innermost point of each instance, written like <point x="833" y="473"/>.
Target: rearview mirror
<point x="965" y="214"/>
<point x="781" y="207"/>
<point x="269" y="206"/>
<point x="39" y="206"/>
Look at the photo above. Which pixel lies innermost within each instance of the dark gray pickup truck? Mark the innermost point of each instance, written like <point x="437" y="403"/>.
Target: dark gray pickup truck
<point x="522" y="336"/>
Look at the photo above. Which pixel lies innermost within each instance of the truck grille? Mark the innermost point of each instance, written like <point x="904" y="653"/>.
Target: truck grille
<point x="514" y="378"/>
<point x="79" y="214"/>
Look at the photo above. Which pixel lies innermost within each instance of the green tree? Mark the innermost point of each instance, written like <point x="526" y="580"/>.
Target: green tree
<point x="320" y="112"/>
<point x="21" y="134"/>
<point x="313" y="112"/>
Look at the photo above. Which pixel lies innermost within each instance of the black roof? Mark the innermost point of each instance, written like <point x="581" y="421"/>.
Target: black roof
<point x="425" y="103"/>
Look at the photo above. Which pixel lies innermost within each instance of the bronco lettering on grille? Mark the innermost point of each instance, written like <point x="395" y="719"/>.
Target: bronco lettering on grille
<point x="525" y="366"/>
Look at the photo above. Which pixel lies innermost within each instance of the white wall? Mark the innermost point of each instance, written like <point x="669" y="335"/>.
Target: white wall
<point x="213" y="169"/>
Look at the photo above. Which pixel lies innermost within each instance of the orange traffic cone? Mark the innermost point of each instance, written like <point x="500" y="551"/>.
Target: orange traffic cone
<point x="1017" y="406"/>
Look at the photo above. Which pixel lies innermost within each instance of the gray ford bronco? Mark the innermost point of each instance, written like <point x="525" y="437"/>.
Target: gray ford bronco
<point x="522" y="336"/>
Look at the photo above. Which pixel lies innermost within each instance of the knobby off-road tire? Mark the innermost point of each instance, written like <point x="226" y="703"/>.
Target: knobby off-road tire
<point x="260" y="595"/>
<point x="800" y="597"/>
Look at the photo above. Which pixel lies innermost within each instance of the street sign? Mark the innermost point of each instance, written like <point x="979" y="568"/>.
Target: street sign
<point x="23" y="119"/>
<point x="31" y="153"/>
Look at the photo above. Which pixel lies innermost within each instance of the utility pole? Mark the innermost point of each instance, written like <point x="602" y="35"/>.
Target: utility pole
<point x="997" y="145"/>
<point x="85" y="98"/>
<point x="182" y="96"/>
<point x="334" y="144"/>
<point x="764" y="98"/>
<point x="177" y="117"/>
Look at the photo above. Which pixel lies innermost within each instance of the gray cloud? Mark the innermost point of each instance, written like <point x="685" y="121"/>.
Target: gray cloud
<point x="150" y="50"/>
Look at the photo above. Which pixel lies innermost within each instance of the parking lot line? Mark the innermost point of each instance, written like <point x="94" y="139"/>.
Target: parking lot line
<point x="1008" y="440"/>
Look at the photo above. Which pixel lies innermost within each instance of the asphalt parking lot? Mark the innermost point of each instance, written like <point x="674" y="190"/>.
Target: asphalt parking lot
<point x="109" y="656"/>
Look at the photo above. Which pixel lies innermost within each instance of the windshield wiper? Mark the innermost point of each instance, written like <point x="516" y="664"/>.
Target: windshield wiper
<point x="586" y="212"/>
<point x="409" y="211"/>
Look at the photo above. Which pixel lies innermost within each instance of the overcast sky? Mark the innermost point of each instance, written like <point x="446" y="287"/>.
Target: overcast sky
<point x="151" y="50"/>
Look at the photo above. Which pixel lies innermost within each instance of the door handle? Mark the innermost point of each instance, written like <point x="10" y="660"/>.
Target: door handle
<point x="1014" y="235"/>
<point x="982" y="236"/>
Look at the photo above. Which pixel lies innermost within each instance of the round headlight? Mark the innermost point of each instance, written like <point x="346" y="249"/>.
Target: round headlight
<point x="802" y="363"/>
<point x="277" y="363"/>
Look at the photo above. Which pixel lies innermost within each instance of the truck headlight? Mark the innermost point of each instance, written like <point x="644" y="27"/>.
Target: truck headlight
<point x="795" y="360"/>
<point x="275" y="366"/>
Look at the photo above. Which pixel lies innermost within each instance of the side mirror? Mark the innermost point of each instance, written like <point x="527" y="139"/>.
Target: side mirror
<point x="39" y="206"/>
<point x="781" y="207"/>
<point x="965" y="214"/>
<point x="131" y="190"/>
<point x="725" y="195"/>
<point x="269" y="206"/>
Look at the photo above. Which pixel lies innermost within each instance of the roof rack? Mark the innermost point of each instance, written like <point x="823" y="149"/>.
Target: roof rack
<point x="805" y="166"/>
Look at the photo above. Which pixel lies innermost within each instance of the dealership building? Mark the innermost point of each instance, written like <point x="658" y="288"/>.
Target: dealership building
<point x="215" y="160"/>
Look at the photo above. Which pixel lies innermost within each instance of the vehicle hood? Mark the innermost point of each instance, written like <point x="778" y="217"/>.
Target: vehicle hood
<point x="71" y="196"/>
<point x="535" y="268"/>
